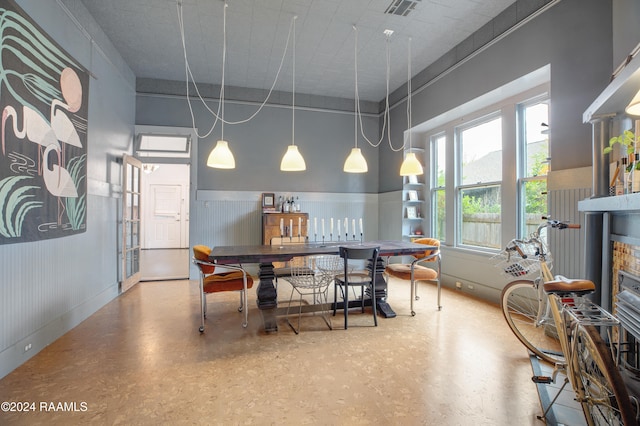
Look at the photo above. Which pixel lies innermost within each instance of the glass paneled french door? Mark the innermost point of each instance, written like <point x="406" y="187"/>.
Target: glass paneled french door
<point x="131" y="196"/>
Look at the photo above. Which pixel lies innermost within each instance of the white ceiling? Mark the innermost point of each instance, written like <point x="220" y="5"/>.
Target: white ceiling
<point x="146" y="33"/>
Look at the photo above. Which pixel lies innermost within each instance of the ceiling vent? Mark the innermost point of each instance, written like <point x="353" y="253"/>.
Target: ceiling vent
<point x="402" y="7"/>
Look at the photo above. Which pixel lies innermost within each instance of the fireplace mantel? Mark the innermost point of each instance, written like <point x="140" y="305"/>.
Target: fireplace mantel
<point x="609" y="220"/>
<point x="619" y="203"/>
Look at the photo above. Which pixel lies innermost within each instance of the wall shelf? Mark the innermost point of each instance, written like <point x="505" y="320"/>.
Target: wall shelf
<point x="413" y="194"/>
<point x="618" y="203"/>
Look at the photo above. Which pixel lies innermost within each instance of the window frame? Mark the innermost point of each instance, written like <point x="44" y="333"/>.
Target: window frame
<point x="447" y="124"/>
<point x="460" y="187"/>
<point x="522" y="152"/>
<point x="434" y="188"/>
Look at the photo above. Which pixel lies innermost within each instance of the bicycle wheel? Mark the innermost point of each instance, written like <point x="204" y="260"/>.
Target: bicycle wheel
<point x="520" y="304"/>
<point x="605" y="398"/>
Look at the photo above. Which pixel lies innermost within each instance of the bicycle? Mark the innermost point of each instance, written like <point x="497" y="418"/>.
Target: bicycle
<point x="555" y="320"/>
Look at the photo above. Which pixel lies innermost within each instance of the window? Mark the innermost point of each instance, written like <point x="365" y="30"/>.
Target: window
<point x="480" y="177"/>
<point x="488" y="163"/>
<point x="158" y="145"/>
<point x="533" y="164"/>
<point x="438" y="189"/>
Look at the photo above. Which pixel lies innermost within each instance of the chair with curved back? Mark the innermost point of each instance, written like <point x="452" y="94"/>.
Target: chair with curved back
<point x="417" y="271"/>
<point x="234" y="278"/>
<point x="314" y="284"/>
<point x="362" y="279"/>
<point x="284" y="270"/>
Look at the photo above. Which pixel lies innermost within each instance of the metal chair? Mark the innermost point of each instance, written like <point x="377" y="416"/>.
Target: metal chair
<point x="415" y="271"/>
<point x="360" y="279"/>
<point x="236" y="279"/>
<point x="314" y="284"/>
<point x="285" y="271"/>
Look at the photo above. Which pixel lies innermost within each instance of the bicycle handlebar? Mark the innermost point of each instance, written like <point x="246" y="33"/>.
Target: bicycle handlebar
<point x="520" y="252"/>
<point x="514" y="245"/>
<point x="557" y="224"/>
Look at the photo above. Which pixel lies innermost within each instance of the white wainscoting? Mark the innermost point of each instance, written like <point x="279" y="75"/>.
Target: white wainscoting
<point x="221" y="218"/>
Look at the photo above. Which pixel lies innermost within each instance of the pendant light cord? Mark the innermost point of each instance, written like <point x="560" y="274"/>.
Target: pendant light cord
<point x="219" y="114"/>
<point x="224" y="62"/>
<point x="355" y="90"/>
<point x="293" y="92"/>
<point x="190" y="78"/>
<point x="409" y="110"/>
<point x="386" y="122"/>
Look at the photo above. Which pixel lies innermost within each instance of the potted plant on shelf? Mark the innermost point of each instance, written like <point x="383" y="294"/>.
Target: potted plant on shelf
<point x="626" y="139"/>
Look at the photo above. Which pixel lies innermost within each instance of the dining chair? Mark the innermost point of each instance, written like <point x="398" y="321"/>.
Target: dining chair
<point x="314" y="284"/>
<point x="285" y="270"/>
<point x="417" y="270"/>
<point x="363" y="279"/>
<point x="234" y="278"/>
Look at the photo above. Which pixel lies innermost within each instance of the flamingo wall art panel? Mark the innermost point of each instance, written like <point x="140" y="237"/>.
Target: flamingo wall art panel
<point x="43" y="159"/>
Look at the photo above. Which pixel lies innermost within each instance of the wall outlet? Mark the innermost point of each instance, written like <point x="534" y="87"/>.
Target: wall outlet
<point x="458" y="285"/>
<point x="27" y="347"/>
<point x="470" y="286"/>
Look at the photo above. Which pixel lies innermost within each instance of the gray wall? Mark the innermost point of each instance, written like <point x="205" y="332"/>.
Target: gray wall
<point x="580" y="55"/>
<point x="626" y="31"/>
<point x="49" y="287"/>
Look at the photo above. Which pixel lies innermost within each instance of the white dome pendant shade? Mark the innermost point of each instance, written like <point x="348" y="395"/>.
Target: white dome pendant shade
<point x="634" y="107"/>
<point x="292" y="160"/>
<point x="411" y="166"/>
<point x="221" y="156"/>
<point x="355" y="162"/>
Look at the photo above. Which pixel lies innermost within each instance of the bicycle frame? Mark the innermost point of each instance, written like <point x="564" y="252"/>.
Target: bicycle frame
<point x="534" y="315"/>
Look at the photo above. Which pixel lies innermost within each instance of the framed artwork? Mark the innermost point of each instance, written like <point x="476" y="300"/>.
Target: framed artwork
<point x="43" y="162"/>
<point x="268" y="200"/>
<point x="412" y="213"/>
<point x="412" y="195"/>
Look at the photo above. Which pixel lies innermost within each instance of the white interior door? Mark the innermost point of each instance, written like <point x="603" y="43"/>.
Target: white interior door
<point x="166" y="211"/>
<point x="131" y="221"/>
<point x="165" y="216"/>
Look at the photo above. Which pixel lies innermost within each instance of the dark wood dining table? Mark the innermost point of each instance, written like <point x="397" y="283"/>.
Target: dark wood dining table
<point x="265" y="255"/>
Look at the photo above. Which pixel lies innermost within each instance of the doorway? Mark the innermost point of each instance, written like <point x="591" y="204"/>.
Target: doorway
<point x="165" y="224"/>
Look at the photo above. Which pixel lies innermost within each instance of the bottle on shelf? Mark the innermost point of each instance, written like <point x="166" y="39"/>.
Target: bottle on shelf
<point x="624" y="177"/>
<point x="630" y="175"/>
<point x="635" y="180"/>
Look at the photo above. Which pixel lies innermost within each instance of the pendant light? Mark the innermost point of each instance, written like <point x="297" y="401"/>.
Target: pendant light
<point x="292" y="160"/>
<point x="410" y="166"/>
<point x="221" y="156"/>
<point x="355" y="162"/>
<point x="634" y="107"/>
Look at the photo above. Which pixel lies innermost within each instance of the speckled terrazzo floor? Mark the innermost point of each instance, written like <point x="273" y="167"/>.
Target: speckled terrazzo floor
<point x="141" y="360"/>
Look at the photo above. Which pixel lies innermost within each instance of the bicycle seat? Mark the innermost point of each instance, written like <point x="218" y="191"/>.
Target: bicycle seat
<point x="564" y="285"/>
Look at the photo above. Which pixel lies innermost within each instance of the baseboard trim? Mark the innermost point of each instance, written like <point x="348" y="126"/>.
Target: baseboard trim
<point x="16" y="355"/>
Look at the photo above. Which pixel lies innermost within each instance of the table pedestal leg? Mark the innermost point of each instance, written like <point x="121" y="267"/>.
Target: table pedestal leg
<point x="381" y="291"/>
<point x="267" y="297"/>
